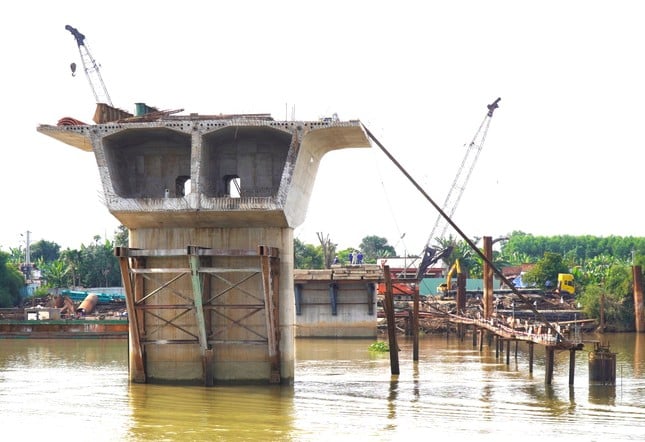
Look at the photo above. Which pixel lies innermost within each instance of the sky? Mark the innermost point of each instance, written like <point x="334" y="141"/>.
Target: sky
<point x="563" y="153"/>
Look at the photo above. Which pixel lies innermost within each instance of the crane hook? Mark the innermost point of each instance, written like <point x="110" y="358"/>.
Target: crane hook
<point x="73" y="68"/>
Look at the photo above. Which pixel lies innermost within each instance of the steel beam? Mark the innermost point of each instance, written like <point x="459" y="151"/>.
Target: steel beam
<point x="137" y="366"/>
<point x="270" y="281"/>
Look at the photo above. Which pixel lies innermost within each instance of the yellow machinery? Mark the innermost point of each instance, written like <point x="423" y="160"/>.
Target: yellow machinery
<point x="447" y="286"/>
<point x="565" y="284"/>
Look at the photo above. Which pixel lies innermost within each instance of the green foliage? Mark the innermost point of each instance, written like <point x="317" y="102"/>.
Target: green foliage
<point x="619" y="280"/>
<point x="72" y="259"/>
<point x="599" y="265"/>
<point x="575" y="249"/>
<point x="596" y="270"/>
<point x="46" y="250"/>
<point x="379" y="346"/>
<point x="618" y="300"/>
<point x="307" y="256"/>
<point x="121" y="236"/>
<point x="516" y="258"/>
<point x="16" y="255"/>
<point x="343" y="255"/>
<point x="619" y="303"/>
<point x="469" y="261"/>
<point x="459" y="251"/>
<point x="589" y="299"/>
<point x="11" y="281"/>
<point x="40" y="292"/>
<point x="375" y="247"/>
<point x="56" y="274"/>
<point x="472" y="265"/>
<point x="545" y="272"/>
<point x="97" y="266"/>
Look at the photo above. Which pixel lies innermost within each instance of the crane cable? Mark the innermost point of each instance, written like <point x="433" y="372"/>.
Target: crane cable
<point x="389" y="204"/>
<point x="473" y="149"/>
<point x="472" y="245"/>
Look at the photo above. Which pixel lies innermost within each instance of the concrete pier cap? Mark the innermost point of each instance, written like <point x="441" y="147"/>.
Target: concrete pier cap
<point x="226" y="184"/>
<point x="209" y="171"/>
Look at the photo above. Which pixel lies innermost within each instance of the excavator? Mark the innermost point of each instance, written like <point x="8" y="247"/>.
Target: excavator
<point x="445" y="287"/>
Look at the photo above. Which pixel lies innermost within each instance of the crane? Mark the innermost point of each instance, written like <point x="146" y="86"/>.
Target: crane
<point x="91" y="68"/>
<point x="456" y="191"/>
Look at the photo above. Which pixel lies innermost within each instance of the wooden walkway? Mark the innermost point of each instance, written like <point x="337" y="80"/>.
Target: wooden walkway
<point x="499" y="328"/>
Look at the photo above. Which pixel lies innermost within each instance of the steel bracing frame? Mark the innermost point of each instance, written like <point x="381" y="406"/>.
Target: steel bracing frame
<point x="210" y="312"/>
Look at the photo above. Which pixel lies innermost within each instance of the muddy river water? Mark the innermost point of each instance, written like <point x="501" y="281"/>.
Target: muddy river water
<point x="79" y="390"/>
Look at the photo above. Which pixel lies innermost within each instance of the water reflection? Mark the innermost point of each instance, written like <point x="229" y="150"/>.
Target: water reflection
<point x="341" y="392"/>
<point x="200" y="413"/>
<point x="391" y="399"/>
<point x="639" y="358"/>
<point x="602" y="394"/>
<point x="415" y="379"/>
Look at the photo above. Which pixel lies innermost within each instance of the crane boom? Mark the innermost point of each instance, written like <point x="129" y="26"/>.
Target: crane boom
<point x="91" y="68"/>
<point x="463" y="174"/>
<point x="464" y="171"/>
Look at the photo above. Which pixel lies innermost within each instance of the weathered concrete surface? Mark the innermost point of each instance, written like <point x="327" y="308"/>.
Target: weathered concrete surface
<point x="337" y="303"/>
<point x="174" y="183"/>
<point x="276" y="163"/>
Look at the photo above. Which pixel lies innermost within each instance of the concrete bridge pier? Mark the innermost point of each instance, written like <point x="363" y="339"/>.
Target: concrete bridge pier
<point x="210" y="203"/>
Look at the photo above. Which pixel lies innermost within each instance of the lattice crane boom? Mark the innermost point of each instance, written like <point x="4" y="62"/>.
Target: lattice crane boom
<point x="456" y="190"/>
<point x="463" y="174"/>
<point x="91" y="68"/>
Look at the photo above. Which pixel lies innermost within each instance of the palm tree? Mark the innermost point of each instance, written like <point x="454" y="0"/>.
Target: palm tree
<point x="56" y="274"/>
<point x="16" y="255"/>
<point x="72" y="259"/>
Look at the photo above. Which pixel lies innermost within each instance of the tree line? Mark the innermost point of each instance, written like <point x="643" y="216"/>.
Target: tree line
<point x="91" y="265"/>
<point x="601" y="265"/>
